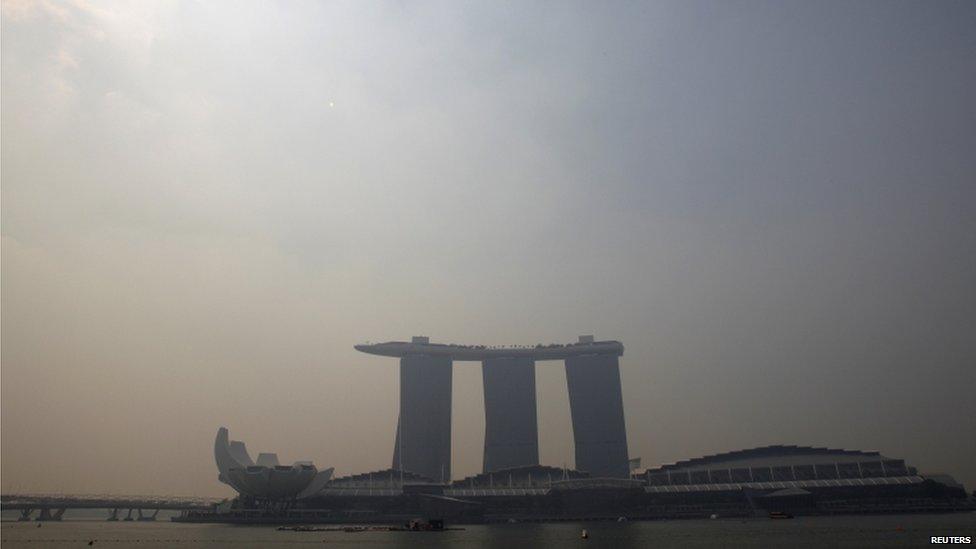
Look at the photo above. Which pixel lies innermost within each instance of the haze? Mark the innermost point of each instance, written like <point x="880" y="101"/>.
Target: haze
<point x="206" y="205"/>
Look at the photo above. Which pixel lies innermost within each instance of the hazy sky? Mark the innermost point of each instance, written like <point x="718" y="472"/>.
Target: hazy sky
<point x="206" y="205"/>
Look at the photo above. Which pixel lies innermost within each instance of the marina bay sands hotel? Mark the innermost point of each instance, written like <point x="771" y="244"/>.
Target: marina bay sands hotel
<point x="423" y="438"/>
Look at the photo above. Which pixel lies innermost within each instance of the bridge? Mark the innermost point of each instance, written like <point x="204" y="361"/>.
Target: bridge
<point x="53" y="507"/>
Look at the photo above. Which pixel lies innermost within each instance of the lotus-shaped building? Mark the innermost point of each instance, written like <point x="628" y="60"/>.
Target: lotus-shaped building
<point x="265" y="479"/>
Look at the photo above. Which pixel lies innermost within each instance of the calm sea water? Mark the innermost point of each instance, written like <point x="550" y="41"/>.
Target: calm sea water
<point x="849" y="531"/>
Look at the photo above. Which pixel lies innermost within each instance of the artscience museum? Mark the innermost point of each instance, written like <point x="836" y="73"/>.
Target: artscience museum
<point x="265" y="480"/>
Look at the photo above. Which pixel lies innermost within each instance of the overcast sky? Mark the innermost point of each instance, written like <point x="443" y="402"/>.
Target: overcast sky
<point x="205" y="206"/>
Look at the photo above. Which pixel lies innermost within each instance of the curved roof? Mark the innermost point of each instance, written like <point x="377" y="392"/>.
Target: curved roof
<point x="781" y="485"/>
<point x="391" y="477"/>
<point x="773" y="453"/>
<point x="521" y="474"/>
<point x="554" y="351"/>
<point x="598" y="483"/>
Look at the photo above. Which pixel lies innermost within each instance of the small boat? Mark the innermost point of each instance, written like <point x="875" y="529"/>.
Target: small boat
<point x="779" y="515"/>
<point x="431" y="525"/>
<point x="584" y="534"/>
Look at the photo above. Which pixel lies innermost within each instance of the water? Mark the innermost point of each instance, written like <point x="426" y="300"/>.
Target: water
<point x="799" y="533"/>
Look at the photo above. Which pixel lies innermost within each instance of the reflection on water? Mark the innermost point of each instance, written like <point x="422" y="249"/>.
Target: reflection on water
<point x="804" y="532"/>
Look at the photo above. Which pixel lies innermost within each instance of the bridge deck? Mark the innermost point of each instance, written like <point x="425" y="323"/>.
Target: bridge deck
<point x="23" y="502"/>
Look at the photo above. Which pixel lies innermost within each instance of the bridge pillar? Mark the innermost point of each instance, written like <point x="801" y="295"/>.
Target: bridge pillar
<point x="511" y="428"/>
<point x="597" y="409"/>
<point x="25" y="515"/>
<point x="47" y="515"/>
<point x="128" y="516"/>
<point x="423" y="442"/>
<point x="114" y="515"/>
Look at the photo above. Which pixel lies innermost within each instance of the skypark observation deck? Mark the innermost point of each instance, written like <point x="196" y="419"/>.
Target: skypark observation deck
<point x="423" y="439"/>
<point x="400" y="349"/>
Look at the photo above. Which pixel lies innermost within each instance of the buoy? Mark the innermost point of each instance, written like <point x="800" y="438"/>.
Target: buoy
<point x="584" y="534"/>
